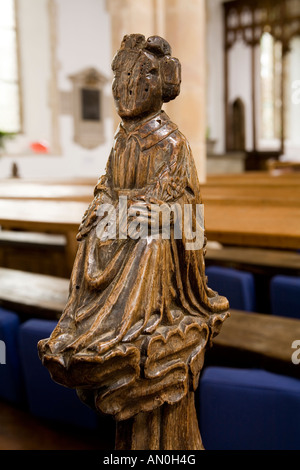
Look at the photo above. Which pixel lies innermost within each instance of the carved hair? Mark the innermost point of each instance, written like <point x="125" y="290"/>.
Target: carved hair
<point x="170" y="68"/>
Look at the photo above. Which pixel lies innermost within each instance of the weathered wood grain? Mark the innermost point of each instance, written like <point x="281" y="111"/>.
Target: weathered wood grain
<point x="140" y="315"/>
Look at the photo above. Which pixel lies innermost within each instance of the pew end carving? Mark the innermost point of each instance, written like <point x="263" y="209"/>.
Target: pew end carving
<point x="140" y="315"/>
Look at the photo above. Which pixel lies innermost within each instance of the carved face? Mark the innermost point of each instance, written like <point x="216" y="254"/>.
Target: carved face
<point x="137" y="85"/>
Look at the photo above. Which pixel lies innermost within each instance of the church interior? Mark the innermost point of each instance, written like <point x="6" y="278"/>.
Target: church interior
<point x="239" y="105"/>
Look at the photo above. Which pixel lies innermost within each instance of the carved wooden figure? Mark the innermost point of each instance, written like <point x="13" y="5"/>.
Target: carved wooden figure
<point x="132" y="337"/>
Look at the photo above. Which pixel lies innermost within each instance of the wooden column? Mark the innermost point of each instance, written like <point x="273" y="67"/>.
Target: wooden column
<point x="160" y="429"/>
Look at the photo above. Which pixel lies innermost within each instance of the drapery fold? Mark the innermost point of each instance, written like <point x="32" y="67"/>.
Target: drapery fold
<point x="124" y="291"/>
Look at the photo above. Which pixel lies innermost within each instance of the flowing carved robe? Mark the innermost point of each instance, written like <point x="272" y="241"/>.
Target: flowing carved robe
<point x="139" y="310"/>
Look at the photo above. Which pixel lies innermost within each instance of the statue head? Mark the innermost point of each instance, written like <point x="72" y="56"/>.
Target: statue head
<point x="145" y="76"/>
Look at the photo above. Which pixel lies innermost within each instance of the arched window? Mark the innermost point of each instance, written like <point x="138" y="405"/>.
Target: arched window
<point x="10" y="103"/>
<point x="271" y="51"/>
<point x="270" y="84"/>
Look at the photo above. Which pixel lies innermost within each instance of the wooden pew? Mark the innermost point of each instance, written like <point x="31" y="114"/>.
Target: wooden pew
<point x="39" y="252"/>
<point x="46" y="217"/>
<point x="39" y="191"/>
<point x="230" y="224"/>
<point x="246" y="339"/>
<point x="33" y="252"/>
<point x="259" y="194"/>
<point x="248" y="224"/>
<point x="33" y="295"/>
<point x="257" y="340"/>
<point x="253" y="179"/>
<point x="253" y="209"/>
<point x="254" y="259"/>
<point x="260" y="187"/>
<point x="276" y="167"/>
<point x="51" y="181"/>
<point x="262" y="263"/>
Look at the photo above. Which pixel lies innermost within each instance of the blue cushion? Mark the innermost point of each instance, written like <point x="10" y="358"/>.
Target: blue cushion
<point x="237" y="286"/>
<point x="285" y="296"/>
<point x="46" y="398"/>
<point x="248" y="409"/>
<point x="11" y="380"/>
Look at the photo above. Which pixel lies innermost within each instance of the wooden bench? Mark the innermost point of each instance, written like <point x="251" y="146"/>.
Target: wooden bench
<point x="45" y="217"/>
<point x="259" y="188"/>
<point x="246" y="339"/>
<point x="33" y="295"/>
<point x="276" y="167"/>
<point x="41" y="191"/>
<point x="254" y="179"/>
<point x="263" y="263"/>
<point x="51" y="181"/>
<point x="254" y="259"/>
<point x="35" y="237"/>
<point x="34" y="252"/>
<point x="257" y="340"/>
<point x="253" y="210"/>
<point x="267" y="226"/>
<point x="258" y="194"/>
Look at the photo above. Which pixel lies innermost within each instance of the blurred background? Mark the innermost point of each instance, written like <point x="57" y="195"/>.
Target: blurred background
<point x="239" y="108"/>
<point x="240" y="89"/>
